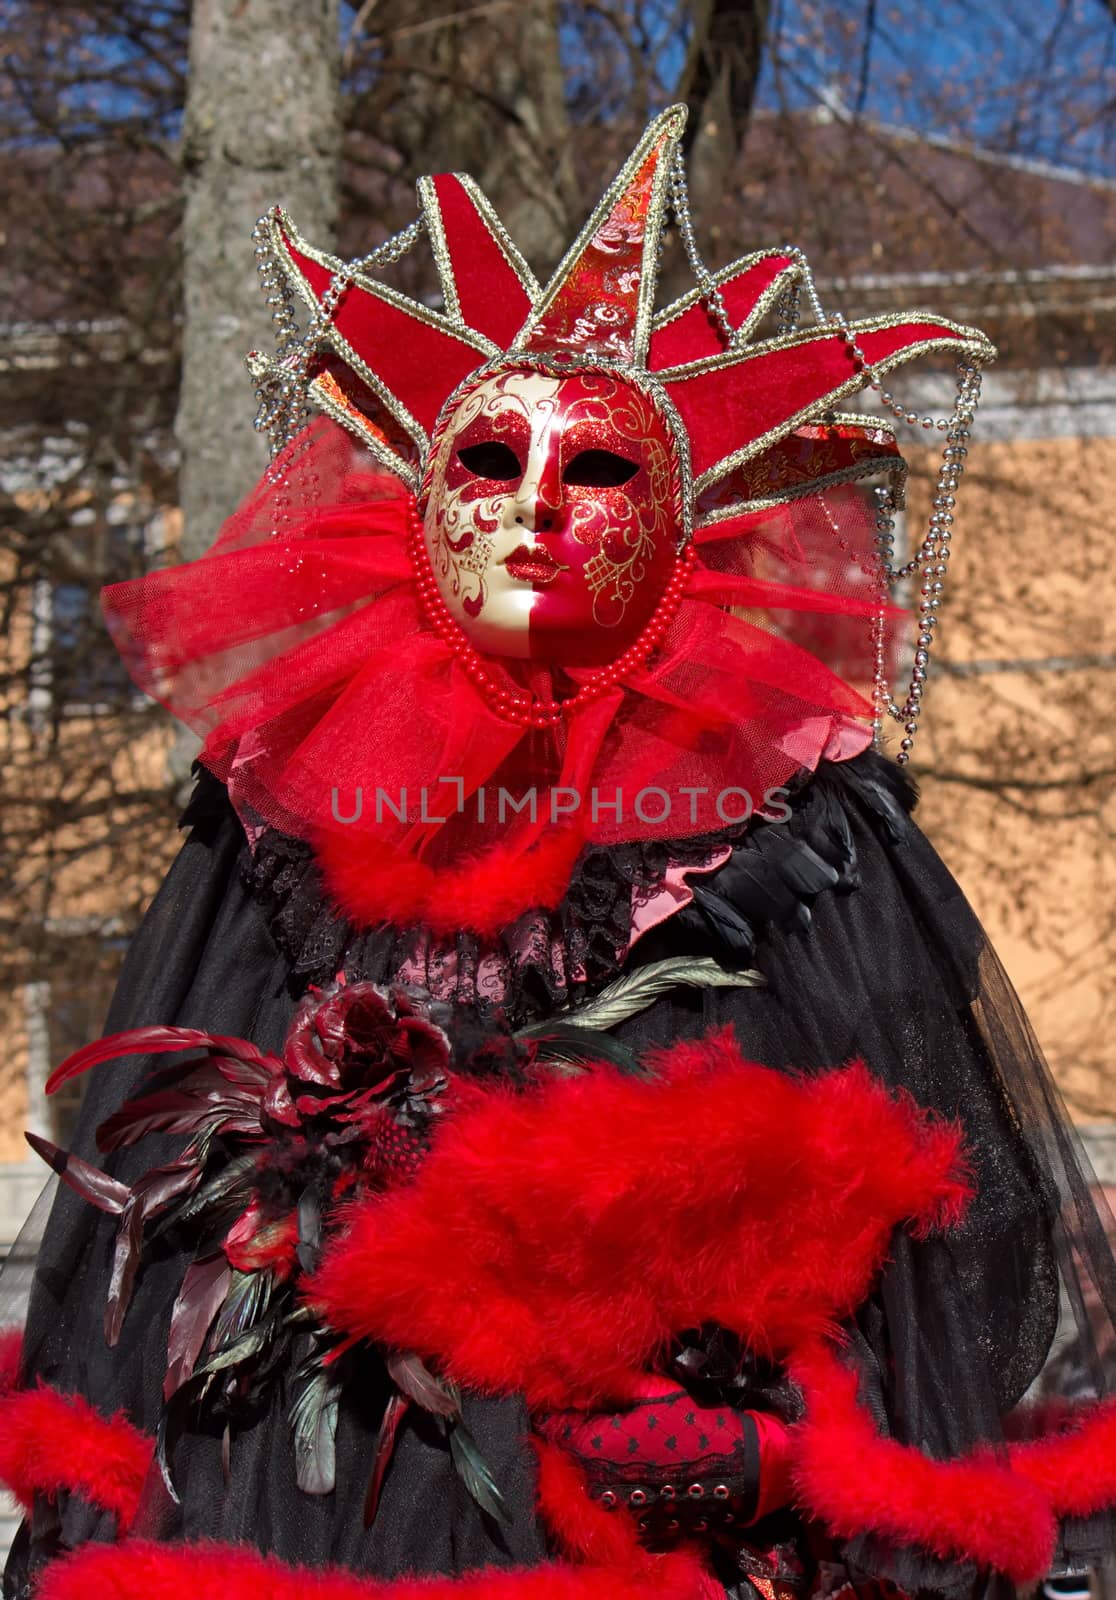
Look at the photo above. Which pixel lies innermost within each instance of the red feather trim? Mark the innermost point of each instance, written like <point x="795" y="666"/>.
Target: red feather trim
<point x="607" y="1540"/>
<point x="582" y="1529"/>
<point x="553" y="1241"/>
<point x="370" y="882"/>
<point x="139" y="1570"/>
<point x="1075" y="1468"/>
<point x="50" y="1441"/>
<point x="854" y="1480"/>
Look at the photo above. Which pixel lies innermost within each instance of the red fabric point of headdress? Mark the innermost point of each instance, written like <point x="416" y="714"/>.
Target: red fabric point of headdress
<point x="415" y="355"/>
<point x="729" y="405"/>
<point x="695" y="333"/>
<point x="599" y="302"/>
<point x="491" y="295"/>
<point x="594" y="310"/>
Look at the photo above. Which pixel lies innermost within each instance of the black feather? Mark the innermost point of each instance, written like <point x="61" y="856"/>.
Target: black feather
<point x="245" y="1303"/>
<point x="253" y="1342"/>
<point x="228" y="1190"/>
<point x="889" y="792"/>
<point x="564" y="1043"/>
<point x="803" y="872"/>
<point x="413" y="1377"/>
<point x="313" y="1419"/>
<point x="752" y="881"/>
<point x="473" y="1471"/>
<point x="166" y="1436"/>
<point x="732" y="930"/>
<point x="309" y="1229"/>
<point x="826" y="830"/>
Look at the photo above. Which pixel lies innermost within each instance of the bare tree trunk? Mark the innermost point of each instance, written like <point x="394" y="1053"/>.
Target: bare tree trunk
<point x="719" y="83"/>
<point x="262" y="125"/>
<point x="485" y="95"/>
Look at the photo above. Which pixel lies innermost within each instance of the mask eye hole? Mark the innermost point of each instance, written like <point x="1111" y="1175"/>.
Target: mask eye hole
<point x="491" y="460"/>
<point x="599" y="469"/>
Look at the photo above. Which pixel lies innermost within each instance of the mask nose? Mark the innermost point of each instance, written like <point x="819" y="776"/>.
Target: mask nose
<point x="538" y="504"/>
<point x="524" y="506"/>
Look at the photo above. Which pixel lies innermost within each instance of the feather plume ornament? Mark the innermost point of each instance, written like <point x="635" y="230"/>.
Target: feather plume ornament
<point x="276" y="1146"/>
<point x="273" y="1145"/>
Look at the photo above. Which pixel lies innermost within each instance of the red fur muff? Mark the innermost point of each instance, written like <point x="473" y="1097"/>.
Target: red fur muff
<point x="554" y="1241"/>
<point x="51" y="1442"/>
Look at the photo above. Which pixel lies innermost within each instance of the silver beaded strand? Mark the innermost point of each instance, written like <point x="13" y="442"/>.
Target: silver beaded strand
<point x="274" y="387"/>
<point x="710" y="293"/>
<point x="283" y="379"/>
<point x="929" y="565"/>
<point x="930" y="562"/>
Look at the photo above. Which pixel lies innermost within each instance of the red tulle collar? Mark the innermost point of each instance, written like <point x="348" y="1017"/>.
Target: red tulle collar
<point x="334" y="711"/>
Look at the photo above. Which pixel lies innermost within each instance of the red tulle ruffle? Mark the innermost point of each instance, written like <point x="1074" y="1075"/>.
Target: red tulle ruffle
<point x="299" y="650"/>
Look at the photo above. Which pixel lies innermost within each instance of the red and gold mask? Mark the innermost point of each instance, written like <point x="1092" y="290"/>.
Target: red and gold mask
<point x="552" y="513"/>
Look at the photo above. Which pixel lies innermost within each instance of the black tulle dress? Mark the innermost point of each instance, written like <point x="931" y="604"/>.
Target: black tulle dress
<point x="868" y="948"/>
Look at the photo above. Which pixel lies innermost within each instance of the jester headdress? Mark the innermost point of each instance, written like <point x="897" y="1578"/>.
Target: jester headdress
<point x="550" y="566"/>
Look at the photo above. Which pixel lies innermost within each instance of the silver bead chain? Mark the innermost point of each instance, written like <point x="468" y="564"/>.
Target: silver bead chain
<point x="283" y="387"/>
<point x="710" y="292"/>
<point x="788" y="305"/>
<point x="274" y="389"/>
<point x="929" y="564"/>
<point x="885" y="550"/>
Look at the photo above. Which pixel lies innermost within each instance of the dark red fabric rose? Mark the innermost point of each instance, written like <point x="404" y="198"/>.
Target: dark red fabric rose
<point x="354" y="1052"/>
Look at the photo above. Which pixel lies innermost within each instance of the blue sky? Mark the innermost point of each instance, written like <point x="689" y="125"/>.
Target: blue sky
<point x="1036" y="77"/>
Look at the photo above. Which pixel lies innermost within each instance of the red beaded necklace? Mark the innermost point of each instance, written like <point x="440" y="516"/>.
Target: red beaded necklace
<point x="520" y="705"/>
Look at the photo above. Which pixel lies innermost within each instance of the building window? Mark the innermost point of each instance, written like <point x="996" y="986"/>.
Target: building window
<point x="75" y="668"/>
<point x="85" y="671"/>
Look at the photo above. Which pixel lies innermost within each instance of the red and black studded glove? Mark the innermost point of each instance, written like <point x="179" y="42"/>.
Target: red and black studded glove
<point x="683" y="1468"/>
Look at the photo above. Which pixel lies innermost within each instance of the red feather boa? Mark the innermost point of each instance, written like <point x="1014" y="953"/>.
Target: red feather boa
<point x="556" y="1239"/>
<point x="139" y="1571"/>
<point x="852" y="1479"/>
<point x="50" y="1442"/>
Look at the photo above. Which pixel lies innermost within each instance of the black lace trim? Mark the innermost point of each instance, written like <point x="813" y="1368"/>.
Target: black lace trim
<point x="771" y="878"/>
<point x="524" y="968"/>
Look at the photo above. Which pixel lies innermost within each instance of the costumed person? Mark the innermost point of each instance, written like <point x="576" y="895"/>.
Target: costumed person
<point x="561" y="1131"/>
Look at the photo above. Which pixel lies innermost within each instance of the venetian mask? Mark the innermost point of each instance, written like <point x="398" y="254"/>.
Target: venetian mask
<point x="552" y="513"/>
